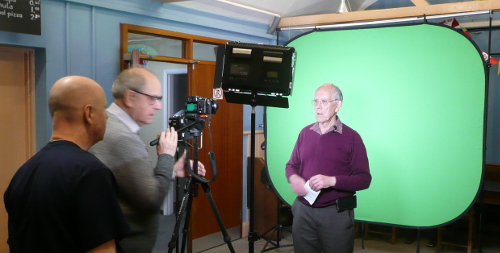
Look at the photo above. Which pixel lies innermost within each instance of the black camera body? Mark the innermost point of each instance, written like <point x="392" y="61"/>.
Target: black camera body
<point x="200" y="105"/>
<point x="190" y="121"/>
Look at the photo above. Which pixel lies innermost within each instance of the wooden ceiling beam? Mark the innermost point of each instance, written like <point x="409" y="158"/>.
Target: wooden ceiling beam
<point x="421" y="8"/>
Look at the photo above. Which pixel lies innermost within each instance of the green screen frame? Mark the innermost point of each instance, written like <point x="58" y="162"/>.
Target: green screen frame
<point x="416" y="94"/>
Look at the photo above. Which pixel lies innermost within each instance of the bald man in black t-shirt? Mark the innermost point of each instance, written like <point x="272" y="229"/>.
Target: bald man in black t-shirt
<point x="63" y="199"/>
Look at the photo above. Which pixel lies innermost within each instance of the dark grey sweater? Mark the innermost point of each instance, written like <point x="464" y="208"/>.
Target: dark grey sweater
<point x="141" y="187"/>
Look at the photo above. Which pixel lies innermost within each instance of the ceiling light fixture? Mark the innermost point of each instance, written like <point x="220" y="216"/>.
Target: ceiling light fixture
<point x="248" y="7"/>
<point x="344" y="7"/>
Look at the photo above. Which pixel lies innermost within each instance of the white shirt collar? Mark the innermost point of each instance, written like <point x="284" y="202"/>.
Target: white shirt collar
<point x="124" y="117"/>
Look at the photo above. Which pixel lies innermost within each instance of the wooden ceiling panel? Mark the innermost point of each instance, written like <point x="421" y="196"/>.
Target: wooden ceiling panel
<point x="419" y="10"/>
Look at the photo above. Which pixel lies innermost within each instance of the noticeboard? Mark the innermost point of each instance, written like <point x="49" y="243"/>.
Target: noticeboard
<point x="21" y="16"/>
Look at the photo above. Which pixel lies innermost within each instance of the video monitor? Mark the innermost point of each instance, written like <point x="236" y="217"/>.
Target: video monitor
<point x="255" y="68"/>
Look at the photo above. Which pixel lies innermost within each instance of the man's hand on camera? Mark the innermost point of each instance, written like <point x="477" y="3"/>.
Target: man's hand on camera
<point x="180" y="169"/>
<point x="167" y="143"/>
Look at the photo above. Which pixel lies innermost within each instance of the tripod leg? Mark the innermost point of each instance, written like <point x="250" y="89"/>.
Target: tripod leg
<point x="192" y="190"/>
<point x="185" y="200"/>
<point x="227" y="238"/>
<point x="273" y="230"/>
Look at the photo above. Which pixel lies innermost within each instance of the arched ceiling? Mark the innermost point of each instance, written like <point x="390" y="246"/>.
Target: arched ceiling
<point x="301" y="13"/>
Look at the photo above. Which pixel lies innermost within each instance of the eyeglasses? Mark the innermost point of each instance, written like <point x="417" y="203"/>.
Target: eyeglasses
<point x="323" y="102"/>
<point x="152" y="99"/>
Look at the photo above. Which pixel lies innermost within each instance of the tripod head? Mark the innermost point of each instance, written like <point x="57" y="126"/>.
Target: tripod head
<point x="190" y="130"/>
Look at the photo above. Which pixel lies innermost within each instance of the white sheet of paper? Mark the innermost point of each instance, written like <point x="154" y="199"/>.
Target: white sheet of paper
<point x="311" y="195"/>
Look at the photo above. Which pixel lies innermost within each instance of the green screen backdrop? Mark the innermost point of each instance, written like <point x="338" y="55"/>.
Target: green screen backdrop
<point x="416" y="95"/>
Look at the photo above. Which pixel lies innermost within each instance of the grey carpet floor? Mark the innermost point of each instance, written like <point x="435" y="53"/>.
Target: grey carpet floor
<point x="375" y="243"/>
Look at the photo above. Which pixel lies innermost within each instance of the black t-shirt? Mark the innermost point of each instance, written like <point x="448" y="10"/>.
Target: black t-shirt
<point x="63" y="199"/>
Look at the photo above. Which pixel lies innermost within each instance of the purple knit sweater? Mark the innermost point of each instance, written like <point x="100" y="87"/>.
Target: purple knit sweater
<point x="336" y="153"/>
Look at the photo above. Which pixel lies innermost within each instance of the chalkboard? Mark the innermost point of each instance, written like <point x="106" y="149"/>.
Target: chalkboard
<point x="20" y="16"/>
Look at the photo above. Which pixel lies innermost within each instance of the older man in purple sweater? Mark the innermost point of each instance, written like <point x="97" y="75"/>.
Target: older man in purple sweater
<point x="332" y="157"/>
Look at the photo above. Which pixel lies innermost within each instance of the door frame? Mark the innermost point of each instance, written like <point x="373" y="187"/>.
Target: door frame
<point x="27" y="144"/>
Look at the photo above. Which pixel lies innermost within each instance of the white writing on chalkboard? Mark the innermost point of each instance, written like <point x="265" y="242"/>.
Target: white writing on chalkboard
<point x="12" y="14"/>
<point x="20" y="16"/>
<point x="7" y="6"/>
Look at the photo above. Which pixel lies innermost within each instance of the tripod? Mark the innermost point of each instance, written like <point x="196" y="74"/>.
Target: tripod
<point x="253" y="100"/>
<point x="187" y="201"/>
<point x="284" y="218"/>
<point x="276" y="229"/>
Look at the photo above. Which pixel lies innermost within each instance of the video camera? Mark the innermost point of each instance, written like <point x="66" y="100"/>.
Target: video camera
<point x="190" y="121"/>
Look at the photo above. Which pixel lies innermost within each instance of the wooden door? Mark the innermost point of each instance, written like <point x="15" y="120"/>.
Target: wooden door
<point x="17" y="130"/>
<point x="227" y="141"/>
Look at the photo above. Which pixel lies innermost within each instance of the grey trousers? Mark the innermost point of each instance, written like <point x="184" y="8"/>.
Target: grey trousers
<point x="322" y="229"/>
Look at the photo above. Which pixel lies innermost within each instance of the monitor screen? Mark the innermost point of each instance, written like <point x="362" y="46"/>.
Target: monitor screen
<point x="255" y="68"/>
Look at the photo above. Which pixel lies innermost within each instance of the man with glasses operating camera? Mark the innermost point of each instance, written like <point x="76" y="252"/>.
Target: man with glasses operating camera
<point x="142" y="187"/>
